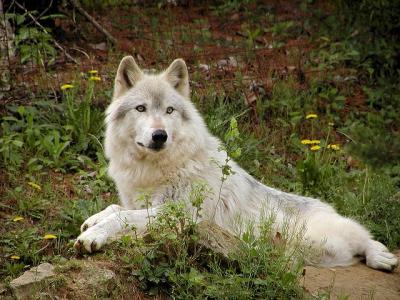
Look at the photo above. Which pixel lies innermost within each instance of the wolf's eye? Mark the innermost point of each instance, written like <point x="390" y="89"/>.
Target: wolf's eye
<point x="170" y="109"/>
<point x="140" y="108"/>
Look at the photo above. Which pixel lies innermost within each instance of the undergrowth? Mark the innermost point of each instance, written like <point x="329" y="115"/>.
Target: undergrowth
<point x="169" y="260"/>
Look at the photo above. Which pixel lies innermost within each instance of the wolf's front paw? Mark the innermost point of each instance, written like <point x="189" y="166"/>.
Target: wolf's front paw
<point x="90" y="222"/>
<point x="97" y="218"/>
<point x="91" y="240"/>
<point x="379" y="257"/>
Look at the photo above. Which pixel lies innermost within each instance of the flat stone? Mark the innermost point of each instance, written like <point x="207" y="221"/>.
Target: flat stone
<point x="31" y="280"/>
<point x="94" y="276"/>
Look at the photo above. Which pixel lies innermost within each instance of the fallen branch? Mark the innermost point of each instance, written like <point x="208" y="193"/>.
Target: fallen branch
<point x="45" y="31"/>
<point x="78" y="6"/>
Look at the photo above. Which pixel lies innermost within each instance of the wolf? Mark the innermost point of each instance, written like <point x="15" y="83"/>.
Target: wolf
<point x="157" y="143"/>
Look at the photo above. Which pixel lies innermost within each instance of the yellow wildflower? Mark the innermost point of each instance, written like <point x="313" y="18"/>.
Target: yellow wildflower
<point x="93" y="72"/>
<point x="15" y="257"/>
<point x="315" y="142"/>
<point x="49" y="236"/>
<point x="331" y="124"/>
<point x="66" y="86"/>
<point x="315" y="148"/>
<point x="35" y="185"/>
<point x="94" y="78"/>
<point x="311" y="116"/>
<point x="335" y="147"/>
<point x="18" y="218"/>
<point x="306" y="142"/>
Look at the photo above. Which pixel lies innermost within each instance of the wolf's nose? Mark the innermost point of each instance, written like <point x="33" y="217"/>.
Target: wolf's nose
<point x="159" y="136"/>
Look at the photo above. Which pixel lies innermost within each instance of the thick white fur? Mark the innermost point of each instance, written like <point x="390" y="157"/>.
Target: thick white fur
<point x="192" y="154"/>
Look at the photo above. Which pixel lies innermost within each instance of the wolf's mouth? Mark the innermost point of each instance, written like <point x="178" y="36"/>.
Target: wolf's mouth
<point x="153" y="146"/>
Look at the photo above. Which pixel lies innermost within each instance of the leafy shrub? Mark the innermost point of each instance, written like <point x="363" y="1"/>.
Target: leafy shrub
<point x="60" y="136"/>
<point x="375" y="25"/>
<point x="34" y="44"/>
<point x="363" y="37"/>
<point x="169" y="260"/>
<point x="380" y="209"/>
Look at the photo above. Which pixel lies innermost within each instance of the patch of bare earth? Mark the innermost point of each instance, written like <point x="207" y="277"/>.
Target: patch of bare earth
<point x="355" y="282"/>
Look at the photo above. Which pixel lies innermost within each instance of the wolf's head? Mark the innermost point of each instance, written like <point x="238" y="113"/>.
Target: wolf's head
<point x="151" y="114"/>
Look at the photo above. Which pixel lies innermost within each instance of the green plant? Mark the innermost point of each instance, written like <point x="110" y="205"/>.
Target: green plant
<point x="281" y="29"/>
<point x="10" y="146"/>
<point x="225" y="7"/>
<point x="202" y="31"/>
<point x="82" y="121"/>
<point x="361" y="38"/>
<point x="170" y="260"/>
<point x="33" y="43"/>
<point x="251" y="35"/>
<point x="232" y="150"/>
<point x="59" y="136"/>
<point x="320" y="163"/>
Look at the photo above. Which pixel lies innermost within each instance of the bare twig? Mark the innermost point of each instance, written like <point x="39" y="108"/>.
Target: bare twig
<point x="81" y="51"/>
<point x="45" y="31"/>
<point x="78" y="6"/>
<point x="43" y="12"/>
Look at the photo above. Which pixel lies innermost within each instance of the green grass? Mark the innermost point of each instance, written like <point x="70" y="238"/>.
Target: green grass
<point x="170" y="261"/>
<point x="54" y="171"/>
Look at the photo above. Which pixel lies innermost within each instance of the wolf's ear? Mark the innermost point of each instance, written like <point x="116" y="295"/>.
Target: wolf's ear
<point x="177" y="75"/>
<point x="128" y="75"/>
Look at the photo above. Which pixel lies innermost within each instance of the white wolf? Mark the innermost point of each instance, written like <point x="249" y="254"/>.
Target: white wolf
<point x="156" y="141"/>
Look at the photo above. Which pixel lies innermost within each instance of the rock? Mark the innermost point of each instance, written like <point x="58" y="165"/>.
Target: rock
<point x="72" y="279"/>
<point x="230" y="62"/>
<point x="233" y="62"/>
<point x="83" y="277"/>
<point x="31" y="280"/>
<point x="204" y="67"/>
<point x="92" y="276"/>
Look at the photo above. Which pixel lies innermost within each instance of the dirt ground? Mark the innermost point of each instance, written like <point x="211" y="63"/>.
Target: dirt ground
<point x="355" y="282"/>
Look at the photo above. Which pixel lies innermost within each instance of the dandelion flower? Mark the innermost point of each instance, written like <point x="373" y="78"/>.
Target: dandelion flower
<point x="66" y="87"/>
<point x="49" y="237"/>
<point x="315" y="142"/>
<point x="335" y="147"/>
<point x="15" y="257"/>
<point x="315" y="148"/>
<point x="94" y="78"/>
<point x="311" y="116"/>
<point x="93" y="72"/>
<point x="18" y="218"/>
<point x="35" y="185"/>
<point x="306" y="142"/>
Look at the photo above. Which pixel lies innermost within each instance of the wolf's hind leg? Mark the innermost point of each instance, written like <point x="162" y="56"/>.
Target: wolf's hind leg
<point x="96" y="218"/>
<point x="343" y="240"/>
<point x="108" y="229"/>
